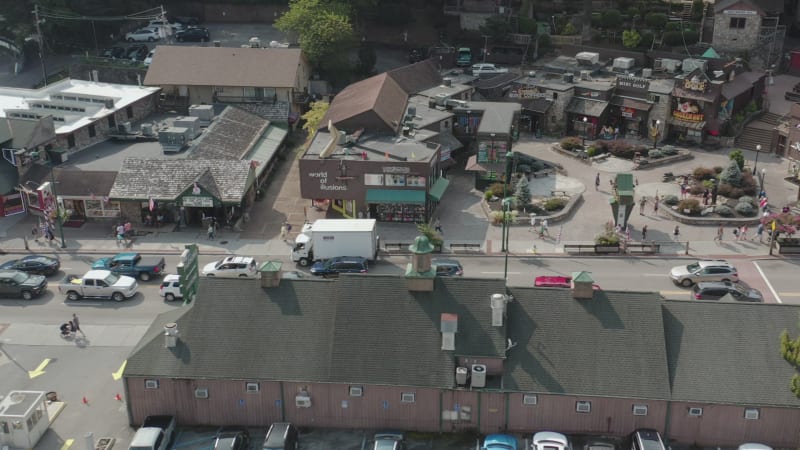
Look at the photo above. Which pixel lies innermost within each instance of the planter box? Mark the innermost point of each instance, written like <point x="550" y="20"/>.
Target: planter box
<point x="606" y="248"/>
<point x="787" y="248"/>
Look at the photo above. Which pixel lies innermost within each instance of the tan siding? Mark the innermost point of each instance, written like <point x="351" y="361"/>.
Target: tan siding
<point x="725" y="425"/>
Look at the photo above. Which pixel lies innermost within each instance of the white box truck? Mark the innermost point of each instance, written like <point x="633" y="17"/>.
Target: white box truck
<point x="328" y="238"/>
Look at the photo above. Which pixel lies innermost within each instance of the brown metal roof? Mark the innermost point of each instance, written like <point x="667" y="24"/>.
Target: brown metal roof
<point x="380" y="95"/>
<point x="224" y="66"/>
<point x="630" y="103"/>
<point x="414" y="78"/>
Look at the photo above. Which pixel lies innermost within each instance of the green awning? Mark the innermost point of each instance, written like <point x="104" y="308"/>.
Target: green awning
<point x="395" y="196"/>
<point x="438" y="188"/>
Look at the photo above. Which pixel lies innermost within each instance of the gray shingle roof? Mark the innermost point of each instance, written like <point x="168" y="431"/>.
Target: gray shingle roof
<point x="230" y="136"/>
<point x="729" y="352"/>
<point x="167" y="179"/>
<point x="611" y="345"/>
<point x="367" y="329"/>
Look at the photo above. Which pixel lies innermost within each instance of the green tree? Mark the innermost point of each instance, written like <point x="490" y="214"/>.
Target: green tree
<point x="611" y="19"/>
<point x="569" y="29"/>
<point x="522" y="192"/>
<point x="497" y="28"/>
<point x="314" y="116"/>
<point x="366" y="58"/>
<point x="631" y="38"/>
<point x="656" y="21"/>
<point x="738" y="156"/>
<point x="732" y="174"/>
<point x="697" y="9"/>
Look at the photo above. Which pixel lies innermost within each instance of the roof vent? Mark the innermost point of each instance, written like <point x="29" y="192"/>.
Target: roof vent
<point x="447" y="82"/>
<point x="171" y="335"/>
<point x="498" y="303"/>
<point x="449" y="327"/>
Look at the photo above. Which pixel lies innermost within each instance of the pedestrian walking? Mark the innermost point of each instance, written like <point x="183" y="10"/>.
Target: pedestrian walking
<point x="705" y="197"/>
<point x="743" y="233"/>
<point x="49" y="233"/>
<point x="718" y="237"/>
<point x="35" y="233"/>
<point x="545" y="228"/>
<point x="597" y="182"/>
<point x="676" y="232"/>
<point x="533" y="223"/>
<point x="76" y="325"/>
<point x="644" y="233"/>
<point x="210" y="232"/>
<point x="283" y="232"/>
<point x="437" y="226"/>
<point x="655" y="205"/>
<point x="760" y="232"/>
<point x="642" y="204"/>
<point x="735" y="233"/>
<point x="120" y="230"/>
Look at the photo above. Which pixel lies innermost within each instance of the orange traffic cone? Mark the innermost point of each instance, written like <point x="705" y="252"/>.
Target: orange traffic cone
<point x="85" y="401"/>
<point x="118" y="397"/>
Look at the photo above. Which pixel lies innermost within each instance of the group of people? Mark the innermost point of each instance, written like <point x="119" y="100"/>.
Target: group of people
<point x="71" y="327"/>
<point x="45" y="229"/>
<point x="741" y="233"/>
<point x="122" y="231"/>
<point x="544" y="228"/>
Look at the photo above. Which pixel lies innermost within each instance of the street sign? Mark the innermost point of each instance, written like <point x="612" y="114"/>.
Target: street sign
<point x="188" y="271"/>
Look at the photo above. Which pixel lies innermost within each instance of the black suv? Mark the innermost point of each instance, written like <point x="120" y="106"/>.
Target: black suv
<point x="281" y="436"/>
<point x="199" y="34"/>
<point x="715" y="290"/>
<point x="340" y="264"/>
<point x="17" y="284"/>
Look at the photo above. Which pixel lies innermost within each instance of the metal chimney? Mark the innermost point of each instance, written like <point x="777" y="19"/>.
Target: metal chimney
<point x="171" y="335"/>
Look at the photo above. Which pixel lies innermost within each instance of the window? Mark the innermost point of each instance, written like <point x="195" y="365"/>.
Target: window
<point x="92" y="131"/>
<point x="201" y="393"/>
<point x="151" y="384"/>
<point x="737" y="22"/>
<point x="408" y="397"/>
<point x="583" y="406"/>
<point x="71" y="140"/>
<point x="655" y="98"/>
<point x="752" y="413"/>
<point x="530" y="399"/>
<point x="112" y="122"/>
<point x="415" y="180"/>
<point x="373" y="179"/>
<point x="129" y="112"/>
<point x="555" y="95"/>
<point x="639" y="410"/>
<point x="252" y="387"/>
<point x="395" y="180"/>
<point x="356" y="391"/>
<point x="695" y="412"/>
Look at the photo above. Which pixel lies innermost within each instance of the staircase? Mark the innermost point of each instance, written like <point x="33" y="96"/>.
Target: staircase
<point x="759" y="132"/>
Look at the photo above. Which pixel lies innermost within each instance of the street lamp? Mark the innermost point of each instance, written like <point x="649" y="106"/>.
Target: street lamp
<point x="655" y="133"/>
<point x="583" y="142"/>
<point x="55" y="204"/>
<point x="755" y="164"/>
<point x="506" y="206"/>
<point x="761" y="177"/>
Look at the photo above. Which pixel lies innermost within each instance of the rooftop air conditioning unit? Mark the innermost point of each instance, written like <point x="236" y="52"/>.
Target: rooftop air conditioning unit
<point x="588" y="58"/>
<point x="204" y="112"/>
<point x="586" y="75"/>
<point x="252" y="387"/>
<point x="670" y="65"/>
<point x="568" y="77"/>
<point x="441" y="98"/>
<point x="109" y="103"/>
<point x="478" y="375"/>
<point x="689" y="64"/>
<point x="647" y="73"/>
<point x="461" y="376"/>
<point x="302" y="401"/>
<point x="624" y="63"/>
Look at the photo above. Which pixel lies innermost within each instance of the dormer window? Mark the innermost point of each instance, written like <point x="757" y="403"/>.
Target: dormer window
<point x="738" y="22"/>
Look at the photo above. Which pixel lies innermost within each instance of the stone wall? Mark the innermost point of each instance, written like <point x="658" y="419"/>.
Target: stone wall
<point x="558" y="110"/>
<point x="735" y="39"/>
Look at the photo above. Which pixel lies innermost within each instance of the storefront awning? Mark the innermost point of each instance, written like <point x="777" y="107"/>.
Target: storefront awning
<point x="438" y="188"/>
<point x="474" y="166"/>
<point x="694" y="95"/>
<point x="641" y="105"/>
<point x="395" y="196"/>
<point x="587" y="107"/>
<point x="686" y="124"/>
<point x="536" y="105"/>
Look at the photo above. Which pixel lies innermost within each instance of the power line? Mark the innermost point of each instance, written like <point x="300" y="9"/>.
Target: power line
<point x="152" y="13"/>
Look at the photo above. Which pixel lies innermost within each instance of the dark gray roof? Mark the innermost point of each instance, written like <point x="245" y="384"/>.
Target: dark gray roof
<point x="274" y="112"/>
<point x="359" y="329"/>
<point x="231" y="135"/>
<point x="585" y="106"/>
<point x="416" y="77"/>
<point x="729" y="352"/>
<point x="167" y="179"/>
<point x="611" y="345"/>
<point x="9" y="177"/>
<point x="79" y="183"/>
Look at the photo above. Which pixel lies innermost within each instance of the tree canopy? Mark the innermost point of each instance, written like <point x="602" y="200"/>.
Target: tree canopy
<point x="314" y="116"/>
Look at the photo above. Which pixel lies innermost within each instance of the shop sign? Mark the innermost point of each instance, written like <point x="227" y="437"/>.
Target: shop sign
<point x="633" y="82"/>
<point x="530" y="93"/>
<point x="694" y="84"/>
<point x="688" y="117"/>
<point x="589" y="94"/>
<point x="739" y="12"/>
<point x="396" y="169"/>
<point x="323" y="182"/>
<point x="628" y="112"/>
<point x="198" y="202"/>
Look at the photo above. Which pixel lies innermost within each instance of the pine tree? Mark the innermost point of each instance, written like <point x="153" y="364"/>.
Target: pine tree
<point x="522" y="192"/>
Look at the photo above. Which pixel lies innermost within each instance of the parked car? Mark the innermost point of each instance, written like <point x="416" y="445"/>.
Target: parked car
<point x="340" y="264"/>
<point x="282" y="436"/>
<point x="464" y="57"/>
<point x="170" y="288"/>
<point x="550" y="440"/>
<point x="98" y="284"/>
<point x="232" y="438"/>
<point x="448" y="268"/>
<point x="149" y="58"/>
<point x="417" y="55"/>
<point x="17" y="284"/>
<point x="646" y="439"/>
<point x="155" y="434"/>
<point x="715" y="290"/>
<point x="114" y="53"/>
<point x="704" y="270"/>
<point x="487" y="68"/>
<point x="499" y="442"/>
<point x="231" y="267"/>
<point x="143" y="35"/>
<point x="137" y="52"/>
<point x="389" y="440"/>
<point x="133" y="265"/>
<point x="557" y="281"/>
<point x="195" y="34"/>
<point x="38" y="264"/>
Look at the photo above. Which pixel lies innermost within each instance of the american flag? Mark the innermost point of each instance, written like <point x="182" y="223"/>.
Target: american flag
<point x="558" y="237"/>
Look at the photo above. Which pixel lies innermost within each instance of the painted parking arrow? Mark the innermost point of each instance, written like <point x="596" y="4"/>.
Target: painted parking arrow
<point x="118" y="374"/>
<point x="39" y="370"/>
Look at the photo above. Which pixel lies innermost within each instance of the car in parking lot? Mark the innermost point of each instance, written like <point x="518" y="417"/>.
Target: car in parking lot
<point x="487" y="69"/>
<point x="340" y="264"/>
<point x="715" y="290"/>
<point x="18" y="284"/>
<point x="137" y="52"/>
<point x="231" y="267"/>
<point x="194" y="34"/>
<point x="448" y="268"/>
<point x="37" y="264"/>
<point x="114" y="53"/>
<point x="499" y="442"/>
<point x="232" y="438"/>
<point x="550" y="440"/>
<point x="389" y="440"/>
<point x="645" y="439"/>
<point x="704" y="270"/>
<point x="143" y="35"/>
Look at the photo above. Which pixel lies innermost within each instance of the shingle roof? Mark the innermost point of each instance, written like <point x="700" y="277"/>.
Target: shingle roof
<point x="224" y="66"/>
<point x="167" y="179"/>
<point x="416" y="77"/>
<point x="379" y="95"/>
<point x="729" y="352"/>
<point x="367" y="329"/>
<point x="231" y="136"/>
<point x="611" y="345"/>
<point x="84" y="182"/>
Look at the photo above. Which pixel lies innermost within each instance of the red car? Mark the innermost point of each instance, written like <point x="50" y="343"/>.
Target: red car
<point x="557" y="282"/>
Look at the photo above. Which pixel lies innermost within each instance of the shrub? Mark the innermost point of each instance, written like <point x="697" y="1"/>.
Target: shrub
<point x="647" y="40"/>
<point x="718" y="169"/>
<point x="691" y="204"/>
<point x="621" y="149"/>
<point x="669" y="150"/>
<point x="488" y="195"/>
<point x="591" y="151"/>
<point x="676" y="38"/>
<point x="751" y="107"/>
<point x="703" y="173"/>
<point x="747" y="199"/>
<point x="746" y="209"/>
<point x="655" y="154"/>
<point x="497" y="216"/>
<point x="537" y="166"/>
<point x="496" y="189"/>
<point x="656" y="20"/>
<point x="724" y="211"/>
<point x="737" y="156"/>
<point x="554" y="204"/>
<point x="696" y="188"/>
<point x="571" y="143"/>
<point x="732" y="174"/>
<point x="608" y="236"/>
<point x="670" y="200"/>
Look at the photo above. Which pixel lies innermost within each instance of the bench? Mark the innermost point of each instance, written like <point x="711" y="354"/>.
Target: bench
<point x="643" y="248"/>
<point x="579" y="248"/>
<point x="464" y="246"/>
<point x="395" y="246"/>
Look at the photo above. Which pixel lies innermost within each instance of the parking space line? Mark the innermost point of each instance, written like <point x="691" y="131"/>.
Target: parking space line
<point x="769" y="285"/>
<point x="67" y="444"/>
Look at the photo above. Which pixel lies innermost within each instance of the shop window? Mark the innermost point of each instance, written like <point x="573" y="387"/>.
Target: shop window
<point x="33" y="200"/>
<point x="654" y="98"/>
<point x="395" y="180"/>
<point x="372" y="179"/>
<point x="555" y="95"/>
<point x="738" y="22"/>
<point x="398" y="212"/>
<point x="129" y="112"/>
<point x="414" y="180"/>
<point x="92" y="131"/>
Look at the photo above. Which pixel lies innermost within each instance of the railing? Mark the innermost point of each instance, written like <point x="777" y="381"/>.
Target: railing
<point x="244" y="99"/>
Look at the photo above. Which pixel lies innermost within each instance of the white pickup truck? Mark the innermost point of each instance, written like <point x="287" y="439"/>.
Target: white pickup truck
<point x="98" y="284"/>
<point x="155" y="434"/>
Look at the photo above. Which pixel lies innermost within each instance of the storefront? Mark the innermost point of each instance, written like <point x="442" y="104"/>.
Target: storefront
<point x="586" y="118"/>
<point x="693" y="101"/>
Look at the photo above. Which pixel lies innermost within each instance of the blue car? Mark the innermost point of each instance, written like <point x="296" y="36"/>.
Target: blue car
<point x="340" y="264"/>
<point x="499" y="442"/>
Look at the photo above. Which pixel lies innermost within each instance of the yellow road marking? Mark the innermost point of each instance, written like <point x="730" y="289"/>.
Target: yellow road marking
<point x="789" y="294"/>
<point x="118" y="374"/>
<point x="67" y="444"/>
<point x="39" y="370"/>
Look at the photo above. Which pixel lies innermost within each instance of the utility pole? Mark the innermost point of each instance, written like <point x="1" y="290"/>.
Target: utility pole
<point x="41" y="41"/>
